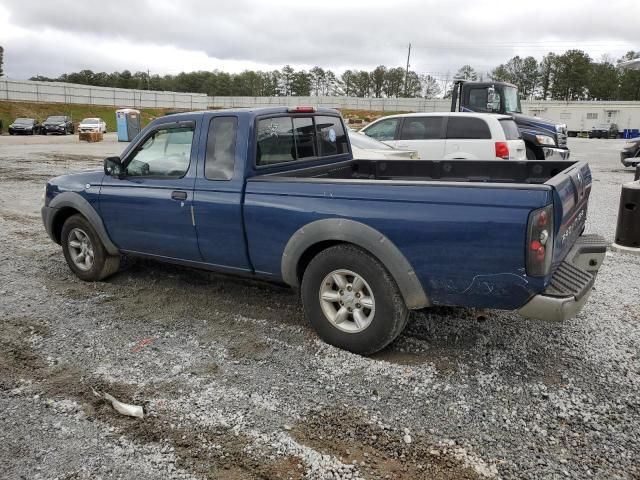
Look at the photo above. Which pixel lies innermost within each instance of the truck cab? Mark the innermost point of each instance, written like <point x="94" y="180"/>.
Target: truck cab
<point x="544" y="139"/>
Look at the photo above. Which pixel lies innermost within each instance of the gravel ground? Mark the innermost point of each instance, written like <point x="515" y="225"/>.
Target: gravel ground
<point x="236" y="385"/>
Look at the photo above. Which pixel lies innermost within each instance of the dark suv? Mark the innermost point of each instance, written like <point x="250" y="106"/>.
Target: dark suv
<point x="607" y="130"/>
<point x="57" y="124"/>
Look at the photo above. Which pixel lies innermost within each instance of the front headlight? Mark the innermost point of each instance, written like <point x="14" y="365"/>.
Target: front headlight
<point x="11" y="126"/>
<point x="62" y="125"/>
<point x="545" y="140"/>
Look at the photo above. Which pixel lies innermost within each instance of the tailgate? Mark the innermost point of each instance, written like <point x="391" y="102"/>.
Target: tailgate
<point x="572" y="187"/>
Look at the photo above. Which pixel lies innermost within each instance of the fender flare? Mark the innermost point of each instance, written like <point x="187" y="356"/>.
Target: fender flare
<point x="77" y="202"/>
<point x="361" y="235"/>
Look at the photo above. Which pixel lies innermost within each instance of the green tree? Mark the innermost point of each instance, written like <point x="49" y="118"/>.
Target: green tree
<point x="572" y="72"/>
<point x="603" y="81"/>
<point x="301" y="84"/>
<point x="629" y="79"/>
<point x="361" y="83"/>
<point x="377" y="80"/>
<point x="522" y="72"/>
<point x="394" y="82"/>
<point x="347" y="82"/>
<point x="1" y="59"/>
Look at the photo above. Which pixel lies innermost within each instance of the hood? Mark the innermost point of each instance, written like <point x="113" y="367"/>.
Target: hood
<point x="76" y="182"/>
<point x="537" y="123"/>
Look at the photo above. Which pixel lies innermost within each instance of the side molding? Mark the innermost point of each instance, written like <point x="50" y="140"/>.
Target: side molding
<point x="77" y="202"/>
<point x="344" y="230"/>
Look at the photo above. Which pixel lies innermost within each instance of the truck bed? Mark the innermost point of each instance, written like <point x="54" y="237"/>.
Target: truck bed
<point x="488" y="171"/>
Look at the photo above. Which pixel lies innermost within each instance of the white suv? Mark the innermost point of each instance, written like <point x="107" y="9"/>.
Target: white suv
<point x="451" y="135"/>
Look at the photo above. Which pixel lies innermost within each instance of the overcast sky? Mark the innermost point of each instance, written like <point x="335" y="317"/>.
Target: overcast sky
<point x="54" y="37"/>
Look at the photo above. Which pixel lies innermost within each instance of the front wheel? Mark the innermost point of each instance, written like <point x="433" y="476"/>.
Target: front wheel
<point x="84" y="252"/>
<point x="351" y="300"/>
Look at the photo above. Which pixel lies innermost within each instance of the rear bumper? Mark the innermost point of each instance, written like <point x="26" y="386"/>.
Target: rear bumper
<point x="571" y="283"/>
<point x="552" y="153"/>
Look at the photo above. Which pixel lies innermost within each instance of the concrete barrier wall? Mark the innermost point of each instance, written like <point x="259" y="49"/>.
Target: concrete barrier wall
<point x="579" y="116"/>
<point x="54" y="92"/>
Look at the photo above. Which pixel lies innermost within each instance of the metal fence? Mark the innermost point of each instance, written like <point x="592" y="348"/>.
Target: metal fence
<point x="55" y="92"/>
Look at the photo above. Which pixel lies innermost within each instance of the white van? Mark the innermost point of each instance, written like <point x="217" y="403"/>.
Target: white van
<point x="451" y="135"/>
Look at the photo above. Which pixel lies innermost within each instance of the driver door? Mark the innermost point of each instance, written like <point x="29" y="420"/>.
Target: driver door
<point x="149" y="211"/>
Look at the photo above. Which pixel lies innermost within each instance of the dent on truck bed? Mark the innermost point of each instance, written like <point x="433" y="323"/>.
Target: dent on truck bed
<point x="345" y="230"/>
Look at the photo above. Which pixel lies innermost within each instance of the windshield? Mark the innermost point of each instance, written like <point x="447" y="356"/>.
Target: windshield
<point x="511" y="100"/>
<point x="56" y="119"/>
<point x="90" y="121"/>
<point x="28" y="121"/>
<point x="360" y="140"/>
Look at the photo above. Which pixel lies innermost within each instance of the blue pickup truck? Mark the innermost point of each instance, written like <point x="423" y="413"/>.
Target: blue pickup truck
<point x="274" y="193"/>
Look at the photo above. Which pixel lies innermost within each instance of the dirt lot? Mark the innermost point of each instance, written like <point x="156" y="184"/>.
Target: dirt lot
<point x="236" y="385"/>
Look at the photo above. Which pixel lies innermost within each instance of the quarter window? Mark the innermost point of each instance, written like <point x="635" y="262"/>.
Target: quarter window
<point x="467" y="128"/>
<point x="421" y="128"/>
<point x="166" y="153"/>
<point x="383" y="130"/>
<point x="221" y="148"/>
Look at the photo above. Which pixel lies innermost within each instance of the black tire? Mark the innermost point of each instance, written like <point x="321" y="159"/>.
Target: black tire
<point x="531" y="154"/>
<point x="103" y="264"/>
<point x="389" y="316"/>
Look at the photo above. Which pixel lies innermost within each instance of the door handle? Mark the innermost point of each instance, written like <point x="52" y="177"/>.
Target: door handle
<point x="179" y="195"/>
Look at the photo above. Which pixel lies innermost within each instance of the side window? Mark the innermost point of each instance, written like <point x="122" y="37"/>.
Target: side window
<point x="383" y="130"/>
<point x="332" y="139"/>
<point x="166" y="153"/>
<point x="478" y="98"/>
<point x="275" y="141"/>
<point x="421" y="128"/>
<point x="221" y="148"/>
<point x="467" y="128"/>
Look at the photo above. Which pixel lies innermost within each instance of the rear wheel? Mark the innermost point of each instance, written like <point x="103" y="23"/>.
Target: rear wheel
<point x="84" y="252"/>
<point x="352" y="301"/>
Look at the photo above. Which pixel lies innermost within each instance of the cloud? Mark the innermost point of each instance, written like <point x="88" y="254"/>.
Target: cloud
<point x="168" y="36"/>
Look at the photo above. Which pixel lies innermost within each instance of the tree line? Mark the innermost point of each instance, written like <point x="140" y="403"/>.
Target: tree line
<point x="572" y="75"/>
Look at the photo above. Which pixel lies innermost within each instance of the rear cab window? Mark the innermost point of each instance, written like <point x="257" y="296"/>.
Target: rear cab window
<point x="283" y="139"/>
<point x="510" y="129"/>
<point x="467" y="128"/>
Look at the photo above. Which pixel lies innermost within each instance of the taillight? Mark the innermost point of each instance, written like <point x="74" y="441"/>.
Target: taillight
<point x="502" y="150"/>
<point x="540" y="241"/>
<point x="302" y="109"/>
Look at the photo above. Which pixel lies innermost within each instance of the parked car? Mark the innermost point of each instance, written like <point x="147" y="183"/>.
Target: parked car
<point x="25" y="126"/>
<point x="92" y="125"/>
<point x="275" y="193"/>
<point x="451" y="135"/>
<point x="58" y="124"/>
<point x="606" y="130"/>
<point x="364" y="147"/>
<point x="630" y="154"/>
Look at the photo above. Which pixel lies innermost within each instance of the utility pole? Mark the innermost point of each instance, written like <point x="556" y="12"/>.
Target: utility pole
<point x="406" y="75"/>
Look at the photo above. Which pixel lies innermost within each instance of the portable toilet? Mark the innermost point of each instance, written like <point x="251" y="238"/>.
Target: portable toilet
<point x="128" y="124"/>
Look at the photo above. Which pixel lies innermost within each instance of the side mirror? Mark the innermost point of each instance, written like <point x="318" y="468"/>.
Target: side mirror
<point x="113" y="167"/>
